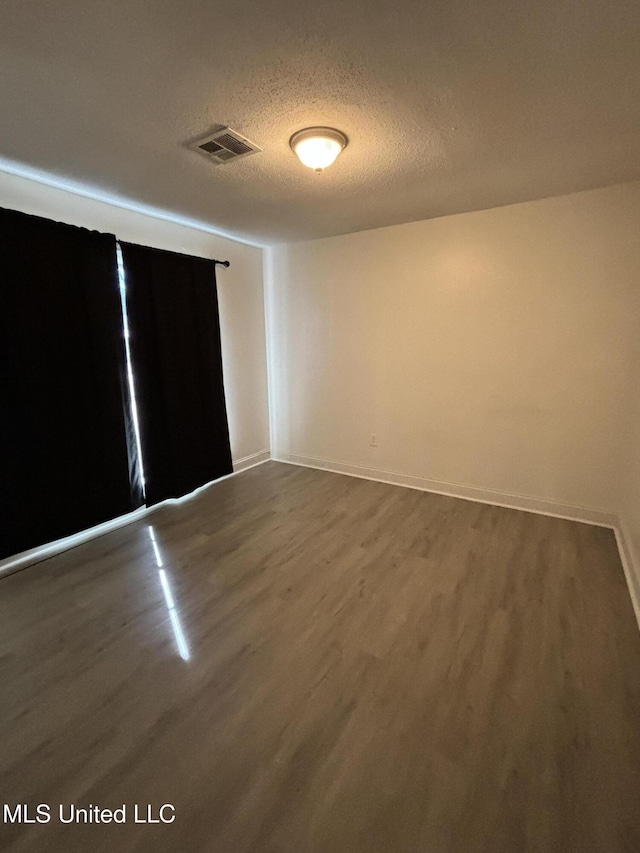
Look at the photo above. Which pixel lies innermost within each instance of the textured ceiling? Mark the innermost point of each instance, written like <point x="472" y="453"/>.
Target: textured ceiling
<point x="449" y="106"/>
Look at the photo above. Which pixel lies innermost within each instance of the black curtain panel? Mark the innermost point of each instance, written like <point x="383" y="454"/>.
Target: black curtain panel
<point x="172" y="308"/>
<point x="63" y="451"/>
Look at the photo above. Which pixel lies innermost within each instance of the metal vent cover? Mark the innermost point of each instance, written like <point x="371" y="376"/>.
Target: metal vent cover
<point x="225" y="145"/>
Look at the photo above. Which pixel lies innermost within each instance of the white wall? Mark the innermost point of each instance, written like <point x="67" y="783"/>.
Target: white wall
<point x="493" y="350"/>
<point x="240" y="292"/>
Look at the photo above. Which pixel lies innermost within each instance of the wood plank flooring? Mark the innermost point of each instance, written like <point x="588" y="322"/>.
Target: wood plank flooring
<point x="327" y="665"/>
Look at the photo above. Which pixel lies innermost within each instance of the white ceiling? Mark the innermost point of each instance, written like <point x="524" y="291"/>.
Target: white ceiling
<point x="449" y="105"/>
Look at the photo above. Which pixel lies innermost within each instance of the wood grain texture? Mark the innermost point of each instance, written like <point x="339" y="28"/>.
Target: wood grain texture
<point x="370" y="669"/>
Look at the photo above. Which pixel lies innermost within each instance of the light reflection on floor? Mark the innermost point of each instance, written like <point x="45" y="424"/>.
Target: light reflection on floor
<point x="183" y="649"/>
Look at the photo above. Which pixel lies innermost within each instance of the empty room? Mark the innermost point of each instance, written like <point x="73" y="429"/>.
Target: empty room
<point x="320" y="433"/>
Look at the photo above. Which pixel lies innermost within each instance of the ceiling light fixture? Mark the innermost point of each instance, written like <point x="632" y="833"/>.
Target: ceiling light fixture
<point x="318" y="147"/>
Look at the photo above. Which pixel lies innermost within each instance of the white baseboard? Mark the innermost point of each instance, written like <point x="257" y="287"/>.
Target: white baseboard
<point x="630" y="563"/>
<point x="251" y="461"/>
<point x="598" y="517"/>
<point x="43" y="552"/>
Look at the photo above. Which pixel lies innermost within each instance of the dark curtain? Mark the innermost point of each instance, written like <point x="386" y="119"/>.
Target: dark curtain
<point x="63" y="452"/>
<point x="174" y="328"/>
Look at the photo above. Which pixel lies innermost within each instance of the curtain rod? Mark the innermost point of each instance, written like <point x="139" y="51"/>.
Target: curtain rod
<point x="222" y="263"/>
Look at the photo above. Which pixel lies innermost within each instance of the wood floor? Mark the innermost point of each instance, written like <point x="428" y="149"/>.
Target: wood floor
<point x="327" y="665"/>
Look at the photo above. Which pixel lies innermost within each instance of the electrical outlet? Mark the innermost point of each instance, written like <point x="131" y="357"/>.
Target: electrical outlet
<point x="374" y="440"/>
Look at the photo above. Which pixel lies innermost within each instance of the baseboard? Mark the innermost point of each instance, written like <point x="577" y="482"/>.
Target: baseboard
<point x="630" y="560"/>
<point x="598" y="517"/>
<point x="43" y="552"/>
<point x="251" y="461"/>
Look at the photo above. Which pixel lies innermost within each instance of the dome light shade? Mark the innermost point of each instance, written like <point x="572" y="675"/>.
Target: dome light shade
<point x="318" y="147"/>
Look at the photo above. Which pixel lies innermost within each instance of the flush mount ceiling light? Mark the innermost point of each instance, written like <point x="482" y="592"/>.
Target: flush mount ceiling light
<point x="318" y="147"/>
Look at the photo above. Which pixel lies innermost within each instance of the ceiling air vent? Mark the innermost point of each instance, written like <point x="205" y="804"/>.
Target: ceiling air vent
<point x="225" y="145"/>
